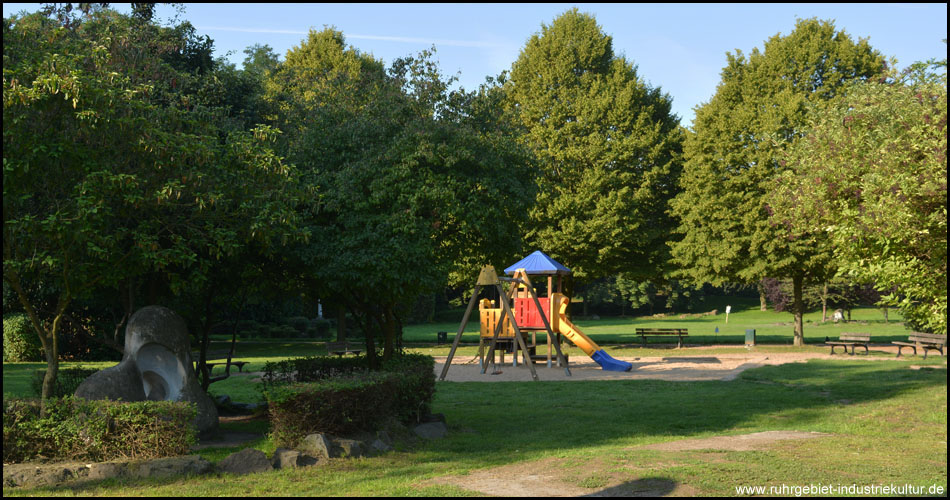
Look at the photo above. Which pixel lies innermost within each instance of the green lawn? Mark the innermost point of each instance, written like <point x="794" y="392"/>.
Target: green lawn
<point x="887" y="422"/>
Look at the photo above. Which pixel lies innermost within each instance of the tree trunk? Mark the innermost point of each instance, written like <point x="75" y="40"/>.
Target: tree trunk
<point x="48" y="339"/>
<point x="389" y="332"/>
<point x="763" y="306"/>
<point x="798" y="308"/>
<point x="885" y="314"/>
<point x="824" y="302"/>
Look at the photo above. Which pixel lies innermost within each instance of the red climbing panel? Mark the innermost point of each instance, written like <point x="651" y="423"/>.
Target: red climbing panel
<point x="526" y="312"/>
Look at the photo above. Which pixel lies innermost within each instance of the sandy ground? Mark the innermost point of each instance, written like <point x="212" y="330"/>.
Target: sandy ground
<point x="688" y="365"/>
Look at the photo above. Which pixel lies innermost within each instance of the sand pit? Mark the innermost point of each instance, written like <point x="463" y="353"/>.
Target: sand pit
<point x="680" y="367"/>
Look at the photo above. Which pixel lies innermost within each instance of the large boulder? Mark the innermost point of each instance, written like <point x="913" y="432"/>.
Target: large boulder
<point x="155" y="366"/>
<point x="246" y="461"/>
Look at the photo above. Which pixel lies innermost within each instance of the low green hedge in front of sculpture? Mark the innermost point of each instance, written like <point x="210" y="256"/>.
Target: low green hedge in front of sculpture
<point x="345" y="396"/>
<point x="96" y="430"/>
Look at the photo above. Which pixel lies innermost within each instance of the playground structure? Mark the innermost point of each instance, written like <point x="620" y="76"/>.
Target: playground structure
<point x="521" y="311"/>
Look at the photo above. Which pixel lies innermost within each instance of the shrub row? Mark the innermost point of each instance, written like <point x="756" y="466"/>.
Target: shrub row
<point x="67" y="380"/>
<point x="341" y="396"/>
<point x="79" y="429"/>
<point x="20" y="342"/>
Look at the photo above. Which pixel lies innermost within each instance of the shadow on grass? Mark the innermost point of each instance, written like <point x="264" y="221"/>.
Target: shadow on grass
<point x="643" y="487"/>
<point x="531" y="417"/>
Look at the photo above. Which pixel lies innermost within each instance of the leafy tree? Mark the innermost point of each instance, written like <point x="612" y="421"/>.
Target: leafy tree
<point x="873" y="174"/>
<point x="736" y="152"/>
<point x="109" y="176"/>
<point x="607" y="147"/>
<point x="408" y="183"/>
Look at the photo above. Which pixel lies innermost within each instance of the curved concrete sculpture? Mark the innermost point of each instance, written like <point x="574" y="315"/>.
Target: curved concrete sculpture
<point x="156" y="366"/>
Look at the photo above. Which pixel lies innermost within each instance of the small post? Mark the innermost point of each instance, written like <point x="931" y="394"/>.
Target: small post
<point x="728" y="308"/>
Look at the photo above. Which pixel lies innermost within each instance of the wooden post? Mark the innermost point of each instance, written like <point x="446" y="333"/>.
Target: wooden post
<point x="547" y="325"/>
<point x="458" y="336"/>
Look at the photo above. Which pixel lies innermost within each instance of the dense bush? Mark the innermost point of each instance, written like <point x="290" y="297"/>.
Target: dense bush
<point x="340" y="395"/>
<point x="299" y="323"/>
<point x="415" y="385"/>
<point x="79" y="429"/>
<point x="339" y="406"/>
<point x="20" y="342"/>
<point x="320" y="327"/>
<point x="310" y="369"/>
<point x="67" y="380"/>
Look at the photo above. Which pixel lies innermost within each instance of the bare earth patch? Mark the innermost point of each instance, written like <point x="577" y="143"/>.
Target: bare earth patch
<point x="556" y="477"/>
<point x="744" y="442"/>
<point x="545" y="478"/>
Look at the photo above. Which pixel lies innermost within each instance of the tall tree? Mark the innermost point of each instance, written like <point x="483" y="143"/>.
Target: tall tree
<point x="407" y="185"/>
<point x="608" y="150"/>
<point x="872" y="172"/>
<point x="736" y="151"/>
<point x="110" y="176"/>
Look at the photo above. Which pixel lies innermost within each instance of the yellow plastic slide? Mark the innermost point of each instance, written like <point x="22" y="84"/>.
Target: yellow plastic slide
<point x="577" y="337"/>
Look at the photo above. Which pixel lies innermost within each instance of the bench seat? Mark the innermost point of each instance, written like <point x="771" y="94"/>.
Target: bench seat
<point x="926" y="341"/>
<point x="341" y="348"/>
<point x="851" y="339"/>
<point x="661" y="332"/>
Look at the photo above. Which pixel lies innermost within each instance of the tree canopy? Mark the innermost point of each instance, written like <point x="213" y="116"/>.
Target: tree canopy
<point x="607" y="148"/>
<point x="736" y="151"/>
<point x="115" y="170"/>
<point x="872" y="174"/>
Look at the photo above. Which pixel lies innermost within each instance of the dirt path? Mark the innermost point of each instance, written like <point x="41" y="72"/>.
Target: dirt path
<point x="555" y="477"/>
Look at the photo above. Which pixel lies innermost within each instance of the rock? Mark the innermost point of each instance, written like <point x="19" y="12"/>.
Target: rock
<point x="380" y="446"/>
<point x="346" y="448"/>
<point x="107" y="470"/>
<point x="307" y="461"/>
<point x="246" y="461"/>
<point x="285" y="459"/>
<point x="433" y="417"/>
<point x="316" y="445"/>
<point x="31" y="475"/>
<point x="44" y="475"/>
<point x="156" y="366"/>
<point x="431" y="430"/>
<point x="222" y="400"/>
<point x="120" y="382"/>
<point x="169" y="467"/>
<point x="384" y="437"/>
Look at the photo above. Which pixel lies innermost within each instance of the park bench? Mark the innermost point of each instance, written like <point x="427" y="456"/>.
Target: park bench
<point x="926" y="341"/>
<point x="341" y="348"/>
<point x="224" y="355"/>
<point x="662" y="332"/>
<point x="851" y="339"/>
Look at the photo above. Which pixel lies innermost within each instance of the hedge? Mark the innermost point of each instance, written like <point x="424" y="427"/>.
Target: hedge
<point x="67" y="380"/>
<point x="20" y="342"/>
<point x="341" y="396"/>
<point x="96" y="430"/>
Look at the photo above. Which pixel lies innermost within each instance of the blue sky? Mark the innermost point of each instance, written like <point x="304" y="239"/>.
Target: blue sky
<point x="677" y="47"/>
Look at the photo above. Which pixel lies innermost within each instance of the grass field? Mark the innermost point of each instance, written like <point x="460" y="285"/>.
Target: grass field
<point x="885" y="420"/>
<point x="886" y="423"/>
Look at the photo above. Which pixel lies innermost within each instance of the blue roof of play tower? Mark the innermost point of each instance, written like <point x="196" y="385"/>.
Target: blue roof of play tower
<point x="538" y="263"/>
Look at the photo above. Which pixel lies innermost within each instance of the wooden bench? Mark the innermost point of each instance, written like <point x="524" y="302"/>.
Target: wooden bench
<point x="225" y="355"/>
<point x="851" y="339"/>
<point x="926" y="341"/>
<point x="341" y="348"/>
<point x="661" y="332"/>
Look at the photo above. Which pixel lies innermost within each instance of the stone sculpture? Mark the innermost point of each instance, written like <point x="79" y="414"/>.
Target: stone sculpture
<point x="156" y="366"/>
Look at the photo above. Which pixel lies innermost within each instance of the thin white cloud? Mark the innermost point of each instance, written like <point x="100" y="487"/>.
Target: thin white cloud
<point x="400" y="39"/>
